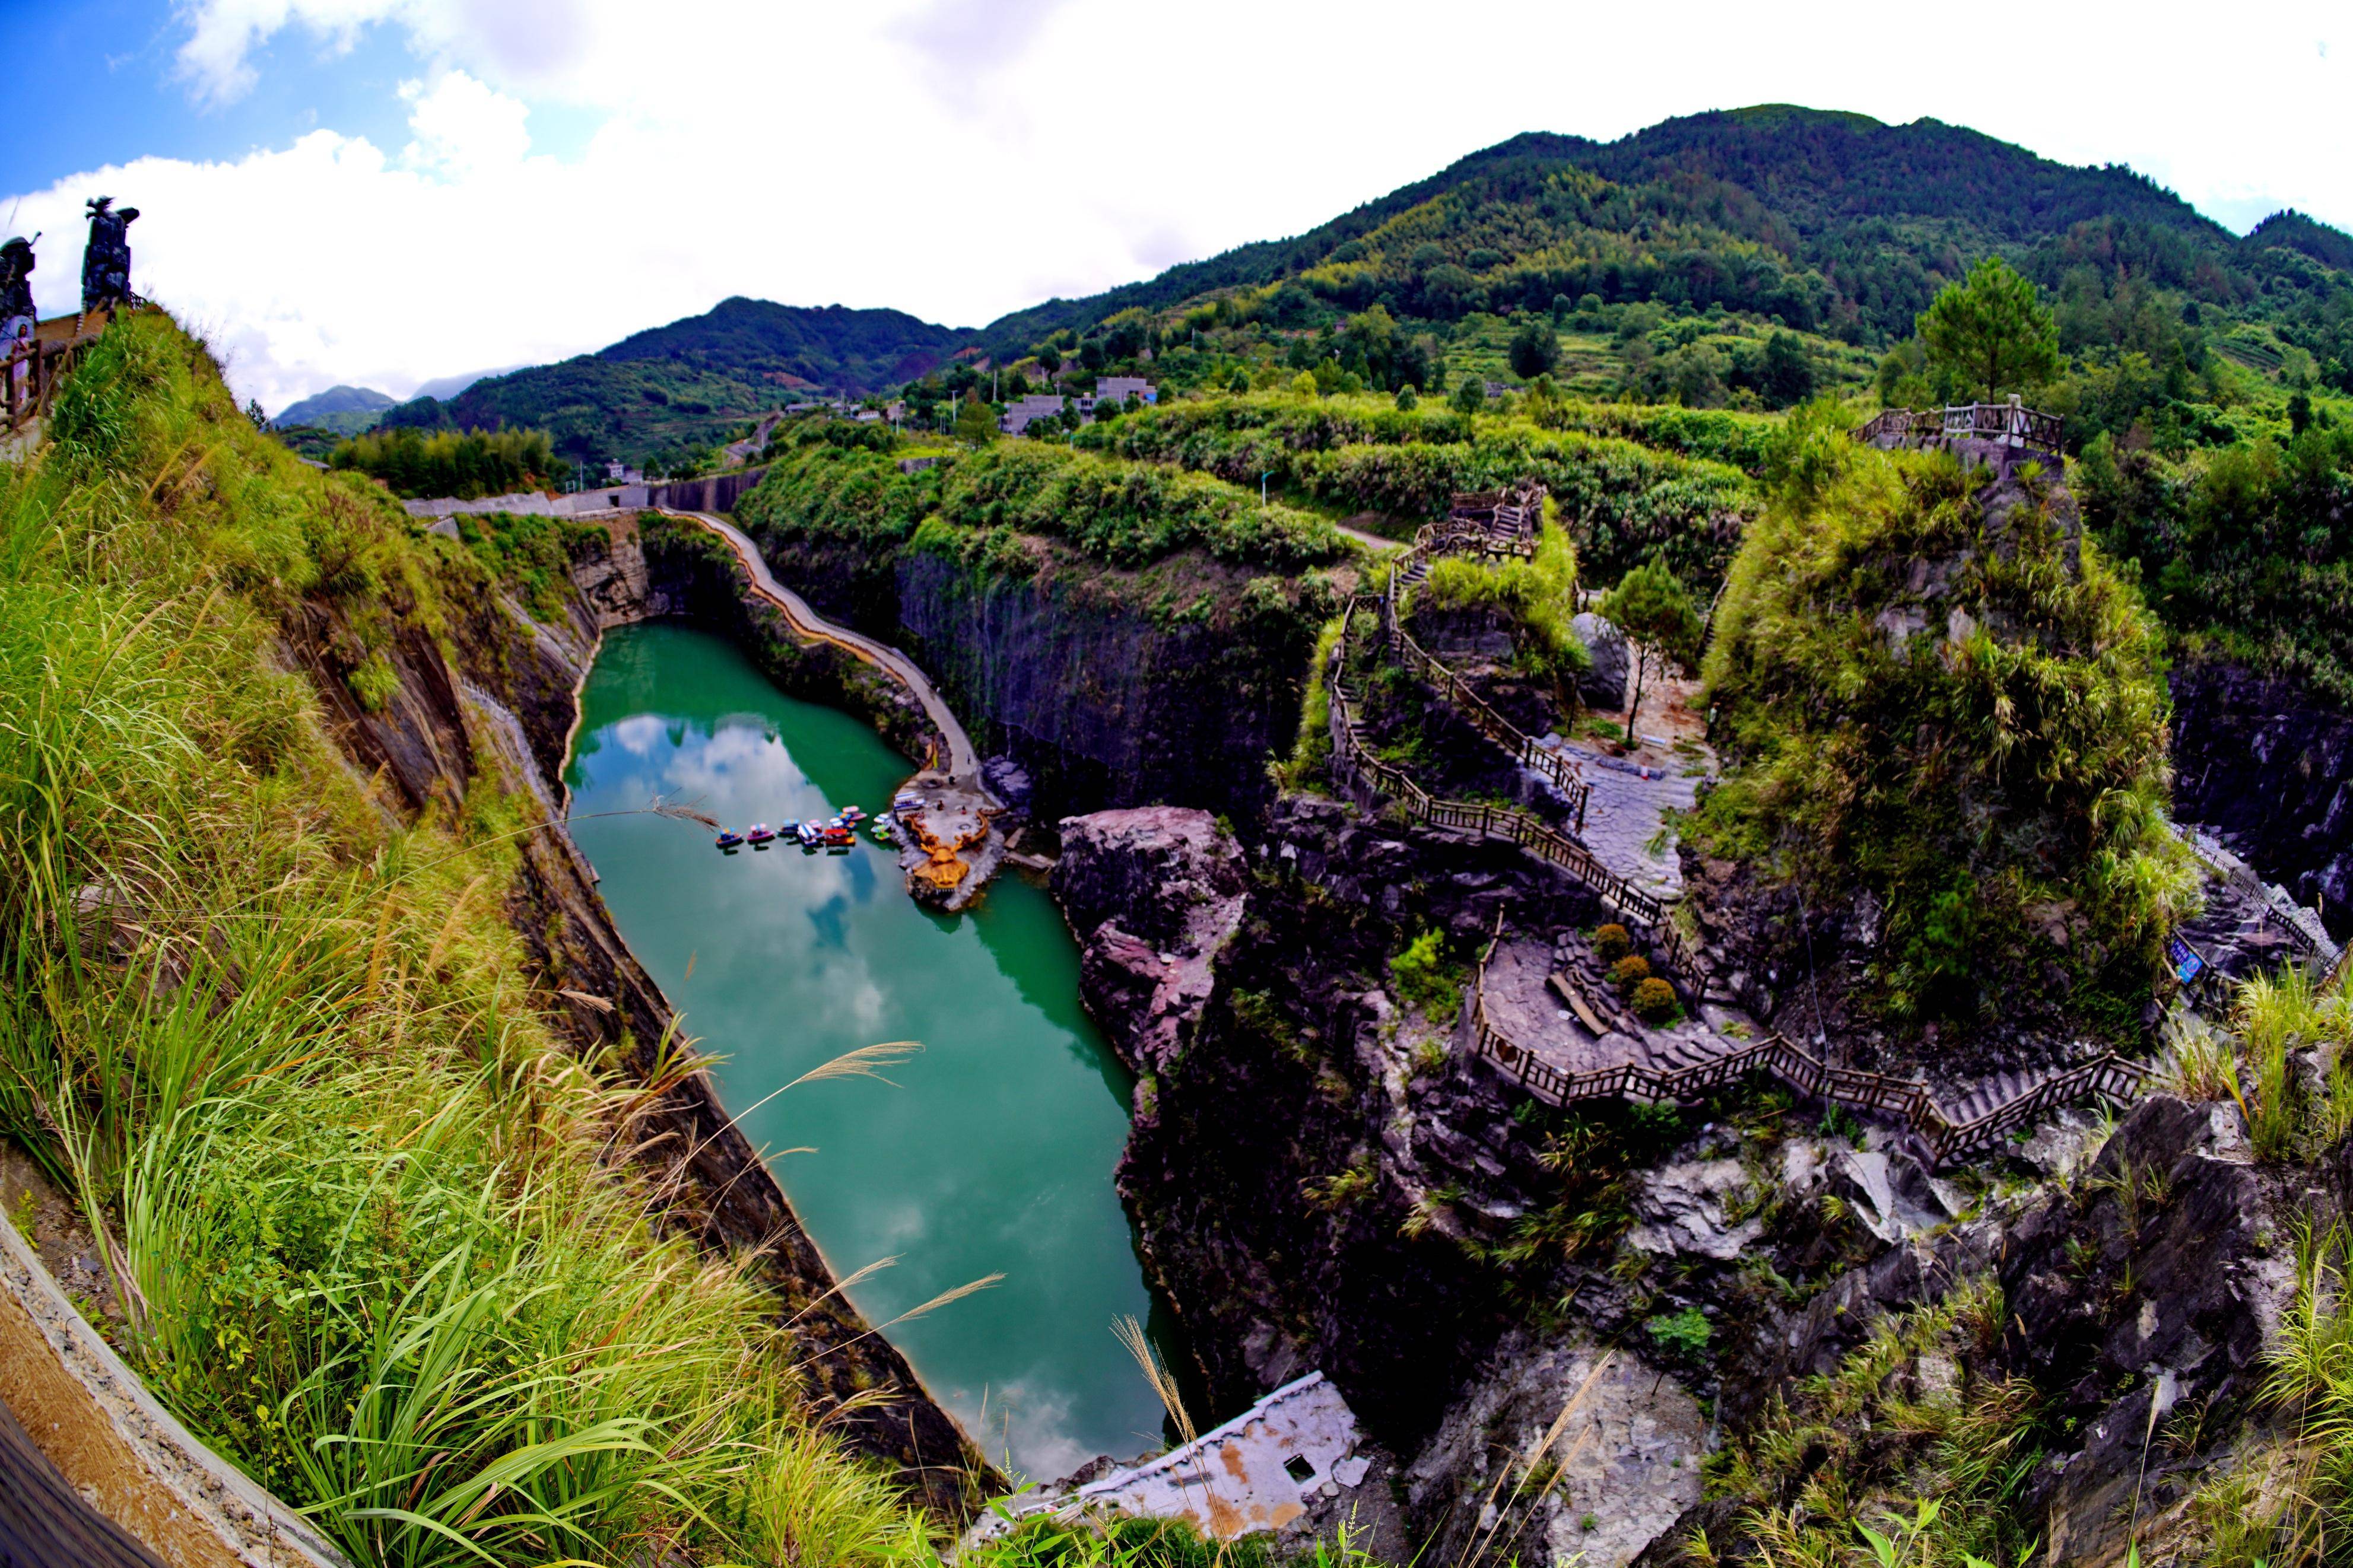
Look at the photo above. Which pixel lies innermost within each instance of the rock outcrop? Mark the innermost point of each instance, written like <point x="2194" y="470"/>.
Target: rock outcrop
<point x="1154" y="893"/>
<point x="2266" y="765"/>
<point x="1603" y="684"/>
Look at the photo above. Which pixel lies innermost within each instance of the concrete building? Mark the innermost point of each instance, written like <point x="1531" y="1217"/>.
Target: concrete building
<point x="1023" y="412"/>
<point x="1293" y="1453"/>
<point x="1118" y="388"/>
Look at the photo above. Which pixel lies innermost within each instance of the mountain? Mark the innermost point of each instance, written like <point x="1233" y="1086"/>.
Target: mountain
<point x="345" y="410"/>
<point x="693" y="383"/>
<point x="1835" y="222"/>
<point x="444" y="387"/>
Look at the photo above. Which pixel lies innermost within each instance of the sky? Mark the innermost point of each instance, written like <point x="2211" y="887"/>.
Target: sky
<point x="384" y="192"/>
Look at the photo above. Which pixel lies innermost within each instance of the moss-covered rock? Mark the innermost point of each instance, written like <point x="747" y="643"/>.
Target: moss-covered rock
<point x="1935" y="692"/>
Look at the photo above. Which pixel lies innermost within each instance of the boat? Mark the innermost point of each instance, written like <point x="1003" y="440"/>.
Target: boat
<point x="728" y="840"/>
<point x="838" y="836"/>
<point x="853" y="815"/>
<point x="810" y="834"/>
<point x="758" y="833"/>
<point x="882" y="829"/>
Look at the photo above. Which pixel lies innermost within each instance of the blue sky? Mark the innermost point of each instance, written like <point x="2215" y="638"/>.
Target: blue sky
<point x="386" y="191"/>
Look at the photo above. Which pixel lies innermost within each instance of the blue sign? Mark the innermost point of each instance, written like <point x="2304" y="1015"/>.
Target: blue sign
<point x="2187" y="965"/>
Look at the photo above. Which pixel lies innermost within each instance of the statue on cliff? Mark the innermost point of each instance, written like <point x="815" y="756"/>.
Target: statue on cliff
<point x="106" y="260"/>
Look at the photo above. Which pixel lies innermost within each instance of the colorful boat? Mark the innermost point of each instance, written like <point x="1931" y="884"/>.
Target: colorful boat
<point x="728" y="840"/>
<point x="759" y="832"/>
<point x="810" y="834"/>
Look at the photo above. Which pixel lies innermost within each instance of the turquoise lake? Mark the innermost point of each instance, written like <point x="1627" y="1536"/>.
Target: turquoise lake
<point x="990" y="1151"/>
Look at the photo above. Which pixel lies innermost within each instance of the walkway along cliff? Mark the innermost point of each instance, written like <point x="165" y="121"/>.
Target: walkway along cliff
<point x="954" y="844"/>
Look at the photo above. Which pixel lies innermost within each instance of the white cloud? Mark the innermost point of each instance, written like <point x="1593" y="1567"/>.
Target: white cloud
<point x="958" y="159"/>
<point x="464" y="130"/>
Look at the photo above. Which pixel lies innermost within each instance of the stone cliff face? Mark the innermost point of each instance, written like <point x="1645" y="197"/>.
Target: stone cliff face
<point x="1107" y="691"/>
<point x="507" y="708"/>
<point x="2267" y="765"/>
<point x="1177" y="882"/>
<point x="1320" y="1180"/>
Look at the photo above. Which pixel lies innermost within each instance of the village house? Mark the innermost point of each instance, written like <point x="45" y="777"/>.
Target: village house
<point x="1120" y="388"/>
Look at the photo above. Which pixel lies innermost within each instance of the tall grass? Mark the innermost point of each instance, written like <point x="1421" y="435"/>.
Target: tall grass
<point x="374" y="1228"/>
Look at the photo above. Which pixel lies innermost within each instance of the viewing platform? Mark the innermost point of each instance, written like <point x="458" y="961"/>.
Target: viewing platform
<point x="1964" y="426"/>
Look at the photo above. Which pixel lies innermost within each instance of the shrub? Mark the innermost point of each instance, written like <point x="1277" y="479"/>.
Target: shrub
<point x="1653" y="1000"/>
<point x="1630" y="971"/>
<point x="1423" y="975"/>
<point x="1612" y="942"/>
<point x="1681" y="1336"/>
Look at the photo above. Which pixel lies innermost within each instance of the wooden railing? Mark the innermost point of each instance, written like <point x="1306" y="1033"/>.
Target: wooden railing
<point x="2010" y="424"/>
<point x="1370" y="779"/>
<point x="1521" y="747"/>
<point x="2108" y="1076"/>
<point x="29" y="374"/>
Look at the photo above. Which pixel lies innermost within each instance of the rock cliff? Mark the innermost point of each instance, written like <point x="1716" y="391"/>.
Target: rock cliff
<point x="1109" y="689"/>
<point x="2266" y="765"/>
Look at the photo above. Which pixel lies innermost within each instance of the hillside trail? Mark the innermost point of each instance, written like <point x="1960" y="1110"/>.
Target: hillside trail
<point x="963" y="760"/>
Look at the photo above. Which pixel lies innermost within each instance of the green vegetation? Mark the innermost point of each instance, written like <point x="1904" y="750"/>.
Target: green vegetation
<point x="1425" y="977"/>
<point x="1621" y="503"/>
<point x="1649" y="605"/>
<point x="1989" y="335"/>
<point x="1044" y="1542"/>
<point x="1966" y="758"/>
<point x="1125" y="514"/>
<point x="468" y="466"/>
<point x="661" y="395"/>
<point x="1681" y="1336"/>
<point x="363" y="1206"/>
<point x="2245" y="552"/>
<point x="1908" y="1441"/>
<point x="1538" y="598"/>
<point x="532" y="554"/>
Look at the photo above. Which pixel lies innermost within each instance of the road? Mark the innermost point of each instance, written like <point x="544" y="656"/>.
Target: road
<point x="964" y="761"/>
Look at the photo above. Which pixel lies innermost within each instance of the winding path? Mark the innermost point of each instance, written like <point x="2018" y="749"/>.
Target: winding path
<point x="964" y="761"/>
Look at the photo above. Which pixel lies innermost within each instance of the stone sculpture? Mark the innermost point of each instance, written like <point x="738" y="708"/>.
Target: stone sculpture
<point x="106" y="261"/>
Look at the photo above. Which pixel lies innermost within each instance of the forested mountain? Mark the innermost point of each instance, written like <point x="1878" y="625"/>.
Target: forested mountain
<point x="1662" y="265"/>
<point x="345" y="410"/>
<point x="1831" y="221"/>
<point x="689" y="384"/>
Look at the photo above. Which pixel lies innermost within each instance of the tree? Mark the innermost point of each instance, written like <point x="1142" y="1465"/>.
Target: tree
<point x="975" y="421"/>
<point x="1408" y="399"/>
<point x="1239" y="381"/>
<point x="1652" y="607"/>
<point x="1787" y="374"/>
<point x="1303" y="384"/>
<point x="1471" y="396"/>
<point x="1050" y="358"/>
<point x="1990" y="335"/>
<point x="1534" y="350"/>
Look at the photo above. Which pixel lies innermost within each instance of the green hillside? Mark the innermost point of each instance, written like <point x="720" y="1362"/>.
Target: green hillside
<point x="345" y="410"/>
<point x="1745" y="259"/>
<point x="663" y="393"/>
